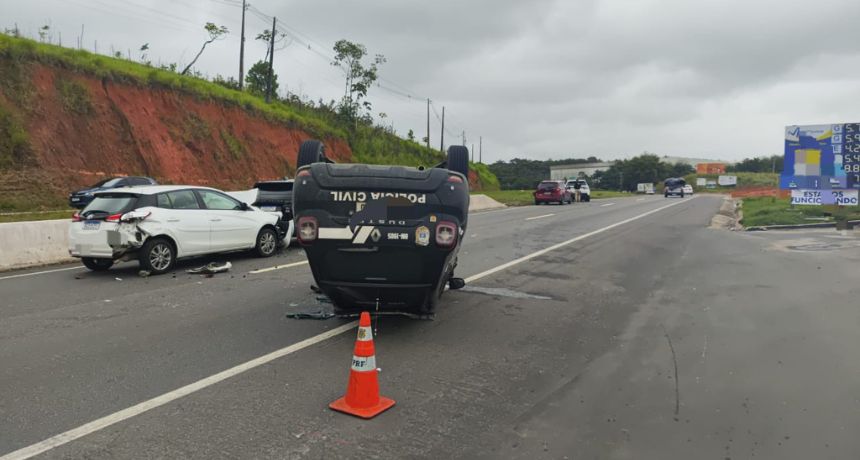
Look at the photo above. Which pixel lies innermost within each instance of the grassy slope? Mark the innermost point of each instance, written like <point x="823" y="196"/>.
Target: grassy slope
<point x="778" y="211"/>
<point x="369" y="144"/>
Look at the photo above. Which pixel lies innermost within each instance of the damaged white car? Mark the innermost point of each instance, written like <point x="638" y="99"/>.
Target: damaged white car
<point x="160" y="224"/>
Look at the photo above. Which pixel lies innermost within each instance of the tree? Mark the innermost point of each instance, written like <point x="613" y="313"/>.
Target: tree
<point x="257" y="76"/>
<point x="266" y="36"/>
<point x="358" y="76"/>
<point x="215" y="33"/>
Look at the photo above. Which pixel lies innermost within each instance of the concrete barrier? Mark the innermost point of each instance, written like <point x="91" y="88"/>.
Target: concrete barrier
<point x="25" y="244"/>
<point x="481" y="202"/>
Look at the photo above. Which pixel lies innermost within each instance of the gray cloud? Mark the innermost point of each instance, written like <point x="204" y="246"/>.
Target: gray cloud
<point x="715" y="78"/>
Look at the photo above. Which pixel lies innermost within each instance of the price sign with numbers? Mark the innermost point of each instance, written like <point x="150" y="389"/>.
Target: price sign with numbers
<point x="822" y="157"/>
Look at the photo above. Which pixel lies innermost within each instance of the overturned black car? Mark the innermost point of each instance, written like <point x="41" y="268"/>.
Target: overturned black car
<point x="381" y="238"/>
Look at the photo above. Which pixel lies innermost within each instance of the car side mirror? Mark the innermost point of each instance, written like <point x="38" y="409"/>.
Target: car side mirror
<point x="244" y="206"/>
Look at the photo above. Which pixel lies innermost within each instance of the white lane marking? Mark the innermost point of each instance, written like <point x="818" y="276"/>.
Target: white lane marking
<point x="116" y="417"/>
<point x="640" y="199"/>
<point x="40" y="273"/>
<point x="277" y="267"/>
<point x="607" y="204"/>
<point x="562" y="244"/>
<point x="539" y="217"/>
<point x="137" y="409"/>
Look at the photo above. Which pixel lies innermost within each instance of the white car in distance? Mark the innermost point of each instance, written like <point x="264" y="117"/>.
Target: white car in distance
<point x="160" y="224"/>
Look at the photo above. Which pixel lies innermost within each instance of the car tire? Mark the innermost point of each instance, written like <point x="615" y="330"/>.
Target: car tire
<point x="267" y="242"/>
<point x="587" y="199"/>
<point x="458" y="160"/>
<point x="682" y="194"/>
<point x="97" y="265"/>
<point x="310" y="152"/>
<point x="157" y="256"/>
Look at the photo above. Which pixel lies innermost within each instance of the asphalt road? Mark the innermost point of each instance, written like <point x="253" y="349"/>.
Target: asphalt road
<point x="654" y="338"/>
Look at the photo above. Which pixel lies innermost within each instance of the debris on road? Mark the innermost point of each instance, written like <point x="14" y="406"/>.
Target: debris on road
<point x="210" y="268"/>
<point x="145" y="273"/>
<point x="118" y="279"/>
<point x="319" y="314"/>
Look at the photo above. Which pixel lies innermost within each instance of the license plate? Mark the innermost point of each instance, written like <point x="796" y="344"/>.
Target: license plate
<point x="91" y="225"/>
<point x="269" y="208"/>
<point x="76" y="199"/>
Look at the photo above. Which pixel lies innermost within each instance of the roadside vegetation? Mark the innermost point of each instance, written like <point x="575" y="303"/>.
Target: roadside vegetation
<point x="348" y="119"/>
<point x="31" y="216"/>
<point x="778" y="211"/>
<point x="745" y="180"/>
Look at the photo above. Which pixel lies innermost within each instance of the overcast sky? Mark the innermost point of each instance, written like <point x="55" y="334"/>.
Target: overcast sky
<point x="540" y="78"/>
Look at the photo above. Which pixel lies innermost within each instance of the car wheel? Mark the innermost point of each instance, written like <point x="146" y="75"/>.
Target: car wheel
<point x="267" y="242"/>
<point x="310" y="152"/>
<point x="458" y="160"/>
<point x="97" y="265"/>
<point x="587" y="198"/>
<point x="682" y="194"/>
<point x="157" y="256"/>
<point x="537" y="203"/>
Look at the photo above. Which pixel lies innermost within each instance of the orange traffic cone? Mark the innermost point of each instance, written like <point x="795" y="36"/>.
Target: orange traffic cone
<point x="362" y="394"/>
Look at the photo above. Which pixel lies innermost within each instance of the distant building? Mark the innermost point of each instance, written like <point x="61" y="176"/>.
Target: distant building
<point x="710" y="168"/>
<point x="559" y="172"/>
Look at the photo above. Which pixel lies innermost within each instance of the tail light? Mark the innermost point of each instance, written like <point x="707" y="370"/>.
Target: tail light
<point x="134" y="215"/>
<point x="76" y="217"/>
<point x="308" y="229"/>
<point x="113" y="217"/>
<point x="303" y="173"/>
<point x="446" y="234"/>
<point x="455" y="179"/>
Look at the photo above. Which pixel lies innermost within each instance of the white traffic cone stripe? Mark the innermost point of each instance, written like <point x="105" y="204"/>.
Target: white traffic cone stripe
<point x="365" y="334"/>
<point x="363" y="363"/>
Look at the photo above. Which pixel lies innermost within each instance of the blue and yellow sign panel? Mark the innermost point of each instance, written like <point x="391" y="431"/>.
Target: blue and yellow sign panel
<point x="821" y="157"/>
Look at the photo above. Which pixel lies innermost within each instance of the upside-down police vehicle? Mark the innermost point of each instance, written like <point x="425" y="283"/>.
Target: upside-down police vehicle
<point x="381" y="238"/>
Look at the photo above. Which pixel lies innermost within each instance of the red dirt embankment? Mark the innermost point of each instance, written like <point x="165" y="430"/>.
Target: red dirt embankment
<point x="123" y="129"/>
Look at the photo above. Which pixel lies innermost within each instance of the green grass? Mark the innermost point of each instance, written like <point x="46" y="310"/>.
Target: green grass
<point x="234" y="146"/>
<point x="525" y="197"/>
<point x="778" y="211"/>
<point x="74" y="96"/>
<point x="745" y="179"/>
<point x="14" y="142"/>
<point x="30" y="216"/>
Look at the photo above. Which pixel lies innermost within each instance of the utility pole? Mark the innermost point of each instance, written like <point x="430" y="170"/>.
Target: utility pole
<point x="271" y="59"/>
<point x="442" y="142"/>
<point x="428" y="122"/>
<point x="242" y="50"/>
<point x="473" y="152"/>
<point x="480" y="149"/>
<point x="621" y="181"/>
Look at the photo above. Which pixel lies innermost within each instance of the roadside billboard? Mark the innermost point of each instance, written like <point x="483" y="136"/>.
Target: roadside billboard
<point x="822" y="157"/>
<point x="727" y="181"/>
<point x="701" y="181"/>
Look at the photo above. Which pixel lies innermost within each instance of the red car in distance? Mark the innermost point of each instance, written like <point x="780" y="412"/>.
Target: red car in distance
<point x="552" y="191"/>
